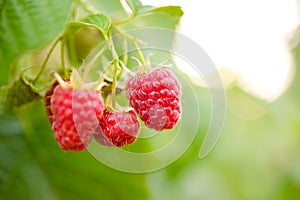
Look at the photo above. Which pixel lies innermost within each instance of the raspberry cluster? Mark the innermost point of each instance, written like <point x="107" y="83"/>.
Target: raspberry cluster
<point x="77" y="113"/>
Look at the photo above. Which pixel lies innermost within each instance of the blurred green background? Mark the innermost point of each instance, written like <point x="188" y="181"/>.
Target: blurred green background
<point x="257" y="156"/>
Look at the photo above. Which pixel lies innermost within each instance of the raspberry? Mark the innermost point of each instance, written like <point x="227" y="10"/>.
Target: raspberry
<point x="102" y="139"/>
<point x="76" y="114"/>
<point x="118" y="128"/>
<point x="156" y="98"/>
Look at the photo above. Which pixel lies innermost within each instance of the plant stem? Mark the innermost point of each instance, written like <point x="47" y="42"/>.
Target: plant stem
<point x="73" y="15"/>
<point x="140" y="54"/>
<point x="128" y="36"/>
<point x="114" y="83"/>
<point x="115" y="71"/>
<point x="89" y="63"/>
<point x="125" y="51"/>
<point x="46" y="60"/>
<point x="134" y="41"/>
<point x="131" y="17"/>
<point x="62" y="58"/>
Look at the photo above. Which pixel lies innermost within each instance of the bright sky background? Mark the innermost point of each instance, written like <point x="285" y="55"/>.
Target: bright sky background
<point x="249" y="37"/>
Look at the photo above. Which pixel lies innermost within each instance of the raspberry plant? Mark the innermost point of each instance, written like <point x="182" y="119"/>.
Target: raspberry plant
<point x="39" y="38"/>
<point x="90" y="68"/>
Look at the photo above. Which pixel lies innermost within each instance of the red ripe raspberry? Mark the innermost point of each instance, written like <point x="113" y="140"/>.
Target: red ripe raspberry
<point x="76" y="115"/>
<point x="118" y="128"/>
<point x="156" y="98"/>
<point x="101" y="138"/>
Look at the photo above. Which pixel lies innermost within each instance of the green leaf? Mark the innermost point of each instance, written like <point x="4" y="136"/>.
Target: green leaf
<point x="100" y="21"/>
<point x="2" y="4"/>
<point x="72" y="27"/>
<point x="112" y="8"/>
<point x="26" y="25"/>
<point x="80" y="39"/>
<point x="34" y="167"/>
<point x="134" y="5"/>
<point x="145" y="9"/>
<point x="19" y="171"/>
<point x="172" y="11"/>
<point x="76" y="32"/>
<point x="9" y="126"/>
<point x="11" y="143"/>
<point x="139" y="9"/>
<point x="3" y="92"/>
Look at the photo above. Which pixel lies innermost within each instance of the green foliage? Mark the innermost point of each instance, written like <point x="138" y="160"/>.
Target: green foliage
<point x="77" y="36"/>
<point x="173" y="11"/>
<point x="27" y="25"/>
<point x="256" y="158"/>
<point x="100" y="21"/>
<point x="32" y="164"/>
<point x="2" y="4"/>
<point x="33" y="167"/>
<point x="19" y="172"/>
<point x="134" y="5"/>
<point x="139" y="9"/>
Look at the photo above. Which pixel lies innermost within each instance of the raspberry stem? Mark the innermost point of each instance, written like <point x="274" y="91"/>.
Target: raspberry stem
<point x="88" y="64"/>
<point x="125" y="49"/>
<point x="73" y="14"/>
<point x="128" y="36"/>
<point x="134" y="41"/>
<point x="114" y="83"/>
<point x="131" y="16"/>
<point x="46" y="60"/>
<point x="62" y="58"/>
<point x="141" y="56"/>
<point x="115" y="70"/>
